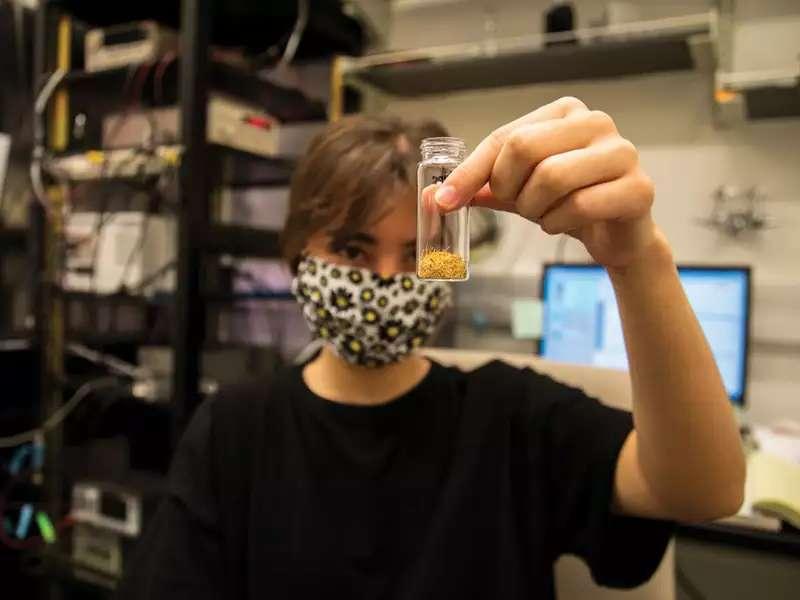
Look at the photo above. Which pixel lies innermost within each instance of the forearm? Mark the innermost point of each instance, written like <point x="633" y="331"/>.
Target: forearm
<point x="687" y="444"/>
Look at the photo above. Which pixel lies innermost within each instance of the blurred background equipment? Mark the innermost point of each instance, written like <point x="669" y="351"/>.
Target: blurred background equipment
<point x="220" y="367"/>
<point x="231" y="123"/>
<point x="155" y="143"/>
<point x="581" y="321"/>
<point x="127" y="44"/>
<point x="120" y="254"/>
<point x="108" y="507"/>
<point x="108" y="520"/>
<point x="484" y="233"/>
<point x="735" y="212"/>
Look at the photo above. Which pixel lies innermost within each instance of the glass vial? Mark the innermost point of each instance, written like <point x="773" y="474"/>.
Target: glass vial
<point x="442" y="237"/>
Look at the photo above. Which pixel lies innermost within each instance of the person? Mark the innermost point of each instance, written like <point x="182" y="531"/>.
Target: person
<point x="370" y="471"/>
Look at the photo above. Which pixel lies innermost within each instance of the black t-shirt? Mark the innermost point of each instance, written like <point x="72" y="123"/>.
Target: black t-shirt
<point x="468" y="486"/>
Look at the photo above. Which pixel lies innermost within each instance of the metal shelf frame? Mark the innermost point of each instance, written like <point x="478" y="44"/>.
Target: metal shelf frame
<point x="198" y="238"/>
<point x="193" y="217"/>
<point x="741" y="96"/>
<point x="201" y="167"/>
<point x="675" y="43"/>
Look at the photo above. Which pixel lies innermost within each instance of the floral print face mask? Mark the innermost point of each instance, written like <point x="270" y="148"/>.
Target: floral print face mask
<point x="367" y="319"/>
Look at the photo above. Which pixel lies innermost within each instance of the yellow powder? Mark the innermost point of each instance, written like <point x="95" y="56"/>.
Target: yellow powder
<point x="441" y="264"/>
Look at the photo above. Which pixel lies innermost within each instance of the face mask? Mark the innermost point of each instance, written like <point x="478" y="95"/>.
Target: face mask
<point x="368" y="319"/>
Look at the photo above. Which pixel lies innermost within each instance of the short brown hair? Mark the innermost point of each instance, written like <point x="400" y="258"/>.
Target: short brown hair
<point x="347" y="174"/>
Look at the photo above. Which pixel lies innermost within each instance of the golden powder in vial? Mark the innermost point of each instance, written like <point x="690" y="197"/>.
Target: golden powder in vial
<point x="441" y="264"/>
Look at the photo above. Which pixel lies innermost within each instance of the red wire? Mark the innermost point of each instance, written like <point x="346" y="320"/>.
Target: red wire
<point x="158" y="75"/>
<point x="138" y="83"/>
<point x="36" y="541"/>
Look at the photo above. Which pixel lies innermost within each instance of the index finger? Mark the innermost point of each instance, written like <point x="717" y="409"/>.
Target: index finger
<point x="472" y="174"/>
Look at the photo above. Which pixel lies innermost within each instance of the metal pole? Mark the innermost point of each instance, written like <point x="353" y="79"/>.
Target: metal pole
<point x="336" y="103"/>
<point x="46" y="231"/>
<point x="193" y="210"/>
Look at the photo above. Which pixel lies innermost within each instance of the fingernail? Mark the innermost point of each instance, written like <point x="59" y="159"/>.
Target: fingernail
<point x="446" y="196"/>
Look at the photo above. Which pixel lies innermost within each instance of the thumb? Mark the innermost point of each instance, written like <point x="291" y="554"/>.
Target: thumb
<point x="469" y="178"/>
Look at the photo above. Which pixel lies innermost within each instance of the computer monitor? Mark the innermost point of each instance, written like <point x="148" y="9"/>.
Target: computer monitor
<point x="581" y="322"/>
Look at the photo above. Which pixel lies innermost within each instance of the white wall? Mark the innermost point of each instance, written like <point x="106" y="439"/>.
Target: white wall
<point x="777" y="21"/>
<point x="669" y="118"/>
<point x="440" y="22"/>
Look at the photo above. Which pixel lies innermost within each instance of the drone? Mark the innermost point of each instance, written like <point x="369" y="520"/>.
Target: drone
<point x="735" y="212"/>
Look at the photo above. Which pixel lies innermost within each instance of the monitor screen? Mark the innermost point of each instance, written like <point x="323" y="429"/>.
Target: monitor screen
<point x="581" y="322"/>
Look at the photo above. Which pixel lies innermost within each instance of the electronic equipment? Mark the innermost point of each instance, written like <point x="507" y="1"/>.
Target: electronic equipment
<point x="109" y="518"/>
<point x="117" y="317"/>
<point x="258" y="206"/>
<point x="222" y="366"/>
<point x="127" y="44"/>
<point x="98" y="549"/>
<point x="582" y="325"/>
<point x="231" y="122"/>
<point x="108" y="506"/>
<point x="109" y="252"/>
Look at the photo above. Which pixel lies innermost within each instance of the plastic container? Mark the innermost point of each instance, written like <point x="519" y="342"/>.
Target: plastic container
<point x="442" y="237"/>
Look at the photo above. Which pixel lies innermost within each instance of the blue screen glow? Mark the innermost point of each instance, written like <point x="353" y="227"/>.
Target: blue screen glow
<point x="582" y="325"/>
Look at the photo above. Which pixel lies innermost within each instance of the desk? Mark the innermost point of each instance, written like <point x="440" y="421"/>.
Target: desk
<point x="732" y="562"/>
<point x="783" y="542"/>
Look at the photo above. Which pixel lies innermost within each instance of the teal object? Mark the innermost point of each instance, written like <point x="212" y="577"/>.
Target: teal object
<point x="21" y="453"/>
<point x="24" y="523"/>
